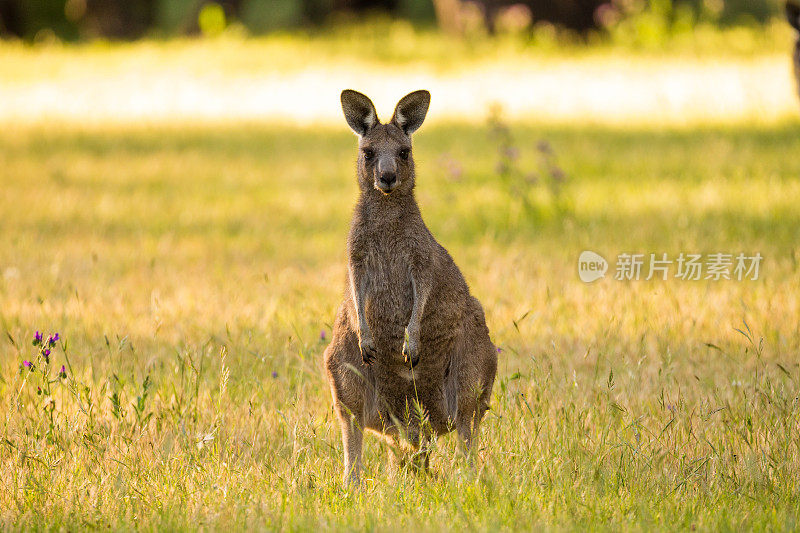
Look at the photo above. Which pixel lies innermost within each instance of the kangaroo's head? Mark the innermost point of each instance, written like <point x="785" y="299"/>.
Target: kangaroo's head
<point x="384" y="160"/>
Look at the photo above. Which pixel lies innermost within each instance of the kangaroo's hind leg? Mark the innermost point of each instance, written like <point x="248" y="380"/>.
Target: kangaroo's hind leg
<point x="467" y="428"/>
<point x="352" y="439"/>
<point x="476" y="378"/>
<point x="348" y="382"/>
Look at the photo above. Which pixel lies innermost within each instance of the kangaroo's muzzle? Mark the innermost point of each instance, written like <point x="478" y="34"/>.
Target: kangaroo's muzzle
<point x="386" y="182"/>
<point x="386" y="176"/>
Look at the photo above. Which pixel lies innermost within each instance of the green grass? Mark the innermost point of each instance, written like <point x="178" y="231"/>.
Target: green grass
<point x="618" y="405"/>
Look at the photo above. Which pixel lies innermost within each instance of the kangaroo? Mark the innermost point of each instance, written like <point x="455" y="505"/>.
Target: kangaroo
<point x="408" y="333"/>
<point x="793" y="15"/>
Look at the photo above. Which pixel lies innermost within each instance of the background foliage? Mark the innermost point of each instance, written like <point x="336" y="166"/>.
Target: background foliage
<point x="126" y="19"/>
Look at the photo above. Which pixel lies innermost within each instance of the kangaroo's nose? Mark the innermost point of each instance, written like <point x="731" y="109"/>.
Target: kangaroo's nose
<point x="387" y="180"/>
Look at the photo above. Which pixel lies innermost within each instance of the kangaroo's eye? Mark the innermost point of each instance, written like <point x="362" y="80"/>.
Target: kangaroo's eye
<point x="404" y="153"/>
<point x="368" y="154"/>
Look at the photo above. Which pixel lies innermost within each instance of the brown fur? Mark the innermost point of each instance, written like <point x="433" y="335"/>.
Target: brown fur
<point x="402" y="284"/>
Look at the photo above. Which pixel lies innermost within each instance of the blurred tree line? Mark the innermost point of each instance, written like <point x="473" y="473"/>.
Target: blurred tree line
<point x="131" y="19"/>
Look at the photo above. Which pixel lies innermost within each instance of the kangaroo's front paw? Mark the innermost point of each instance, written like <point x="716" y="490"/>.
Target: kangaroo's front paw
<point x="368" y="351"/>
<point x="411" y="352"/>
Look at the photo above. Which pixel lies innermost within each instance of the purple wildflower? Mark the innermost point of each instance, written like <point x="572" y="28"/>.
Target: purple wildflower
<point x="322" y="335"/>
<point x="544" y="147"/>
<point x="39" y="391"/>
<point x="52" y="339"/>
<point x="557" y="174"/>
<point x="455" y="171"/>
<point x="511" y="152"/>
<point x="27" y="364"/>
<point x="37" y="339"/>
<point x="499" y="350"/>
<point x="274" y="375"/>
<point x="63" y="372"/>
<point x="46" y="354"/>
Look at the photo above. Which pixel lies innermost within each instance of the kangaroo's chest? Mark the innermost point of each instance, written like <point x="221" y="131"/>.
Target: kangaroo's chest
<point x="389" y="291"/>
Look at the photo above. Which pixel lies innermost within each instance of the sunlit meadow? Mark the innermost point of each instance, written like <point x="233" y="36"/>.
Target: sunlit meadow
<point x="192" y="270"/>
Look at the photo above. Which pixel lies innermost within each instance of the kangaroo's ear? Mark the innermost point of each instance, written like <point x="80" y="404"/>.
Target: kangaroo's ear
<point x="358" y="111"/>
<point x="793" y="14"/>
<point x="411" y="111"/>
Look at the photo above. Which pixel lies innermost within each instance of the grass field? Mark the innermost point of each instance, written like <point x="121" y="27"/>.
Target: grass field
<point x="192" y="261"/>
<point x="192" y="271"/>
